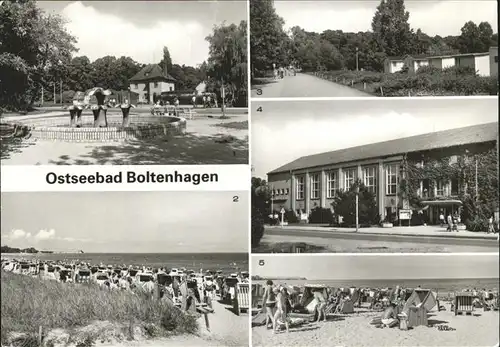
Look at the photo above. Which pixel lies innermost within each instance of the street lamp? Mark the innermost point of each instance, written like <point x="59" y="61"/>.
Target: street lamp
<point x="357" y="208"/>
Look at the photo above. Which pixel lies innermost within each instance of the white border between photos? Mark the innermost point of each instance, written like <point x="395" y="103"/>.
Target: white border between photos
<point x="34" y="178"/>
<point x="371" y="98"/>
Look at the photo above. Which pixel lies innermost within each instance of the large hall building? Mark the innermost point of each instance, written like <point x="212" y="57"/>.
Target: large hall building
<point x="312" y="181"/>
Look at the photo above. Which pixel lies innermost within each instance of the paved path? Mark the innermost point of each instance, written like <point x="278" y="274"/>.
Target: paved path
<point x="304" y="85"/>
<point x="342" y="241"/>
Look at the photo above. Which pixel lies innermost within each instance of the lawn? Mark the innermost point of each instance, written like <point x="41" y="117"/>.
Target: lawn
<point x="29" y="303"/>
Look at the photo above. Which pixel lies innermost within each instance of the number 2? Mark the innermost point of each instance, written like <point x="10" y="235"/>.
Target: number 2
<point x="236" y="198"/>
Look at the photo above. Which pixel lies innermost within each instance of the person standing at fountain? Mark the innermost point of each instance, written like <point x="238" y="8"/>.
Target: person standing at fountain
<point x="125" y="107"/>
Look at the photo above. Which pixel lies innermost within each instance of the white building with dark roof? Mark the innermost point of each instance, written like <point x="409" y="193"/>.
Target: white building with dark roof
<point x="150" y="82"/>
<point x="312" y="181"/>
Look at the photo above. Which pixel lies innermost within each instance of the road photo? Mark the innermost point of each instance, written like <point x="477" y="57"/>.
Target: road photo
<point x="348" y="49"/>
<point x="378" y="176"/>
<point x="123" y="83"/>
<point x="125" y="269"/>
<point x="373" y="300"/>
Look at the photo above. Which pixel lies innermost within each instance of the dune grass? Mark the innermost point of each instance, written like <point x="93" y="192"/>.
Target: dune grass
<point x="28" y="303"/>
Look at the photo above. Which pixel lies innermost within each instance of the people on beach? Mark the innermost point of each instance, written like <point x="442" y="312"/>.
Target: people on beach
<point x="282" y="309"/>
<point x="321" y="304"/>
<point x="269" y="301"/>
<point x="390" y="317"/>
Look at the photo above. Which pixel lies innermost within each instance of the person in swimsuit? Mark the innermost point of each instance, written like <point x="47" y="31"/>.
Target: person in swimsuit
<point x="282" y="309"/>
<point x="321" y="306"/>
<point x="269" y="301"/>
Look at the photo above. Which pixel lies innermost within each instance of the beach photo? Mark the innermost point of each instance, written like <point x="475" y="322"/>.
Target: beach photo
<point x="123" y="83"/>
<point x="125" y="269"/>
<point x="374" y="300"/>
<point x="373" y="48"/>
<point x="382" y="175"/>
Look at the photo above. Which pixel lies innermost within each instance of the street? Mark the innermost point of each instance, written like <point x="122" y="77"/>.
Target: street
<point x="303" y="85"/>
<point x="351" y="242"/>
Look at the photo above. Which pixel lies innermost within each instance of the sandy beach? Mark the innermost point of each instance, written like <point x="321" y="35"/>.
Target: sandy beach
<point x="481" y="329"/>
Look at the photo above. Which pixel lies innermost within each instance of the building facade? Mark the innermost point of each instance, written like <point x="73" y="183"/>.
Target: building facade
<point x="480" y="62"/>
<point x="150" y="82"/>
<point x="313" y="181"/>
<point x="494" y="61"/>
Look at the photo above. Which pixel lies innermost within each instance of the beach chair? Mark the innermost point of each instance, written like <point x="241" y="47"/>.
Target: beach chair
<point x="463" y="303"/>
<point x="242" y="300"/>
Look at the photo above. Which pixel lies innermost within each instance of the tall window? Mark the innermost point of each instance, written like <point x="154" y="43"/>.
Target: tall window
<point x="454" y="186"/>
<point x="370" y="179"/>
<point x="440" y="188"/>
<point x="331" y="184"/>
<point x="391" y="179"/>
<point x="315" y="186"/>
<point x="300" y="188"/>
<point x="156" y="84"/>
<point x="349" y="175"/>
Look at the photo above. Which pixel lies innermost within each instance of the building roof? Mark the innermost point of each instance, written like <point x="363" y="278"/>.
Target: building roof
<point x="152" y="72"/>
<point x="441" y="139"/>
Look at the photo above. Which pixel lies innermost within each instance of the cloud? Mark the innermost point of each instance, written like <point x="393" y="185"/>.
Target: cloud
<point x="45" y="234"/>
<point x="101" y="34"/>
<point x="17" y="234"/>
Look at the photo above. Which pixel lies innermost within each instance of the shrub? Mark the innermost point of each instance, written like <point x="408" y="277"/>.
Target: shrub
<point x="257" y="231"/>
<point x="460" y="71"/>
<point x="291" y="217"/>
<point x="320" y="215"/>
<point x="429" y="69"/>
<point x="344" y="205"/>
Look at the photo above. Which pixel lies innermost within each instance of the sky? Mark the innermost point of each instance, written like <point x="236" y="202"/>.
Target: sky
<point x="126" y="222"/>
<point x="140" y="29"/>
<point x="287" y="130"/>
<point x="432" y="17"/>
<point x="349" y="267"/>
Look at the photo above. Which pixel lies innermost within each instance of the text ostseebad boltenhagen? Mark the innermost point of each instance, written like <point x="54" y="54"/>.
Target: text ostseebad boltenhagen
<point x="132" y="177"/>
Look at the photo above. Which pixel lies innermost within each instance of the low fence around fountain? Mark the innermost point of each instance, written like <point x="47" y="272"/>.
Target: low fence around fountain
<point x="56" y="128"/>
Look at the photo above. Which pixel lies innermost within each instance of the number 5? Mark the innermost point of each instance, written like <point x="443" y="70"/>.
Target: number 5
<point x="261" y="262"/>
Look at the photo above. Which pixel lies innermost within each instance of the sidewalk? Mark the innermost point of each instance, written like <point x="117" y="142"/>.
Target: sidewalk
<point x="429" y="231"/>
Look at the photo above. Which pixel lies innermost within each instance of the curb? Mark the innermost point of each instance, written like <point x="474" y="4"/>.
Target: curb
<point x="481" y="237"/>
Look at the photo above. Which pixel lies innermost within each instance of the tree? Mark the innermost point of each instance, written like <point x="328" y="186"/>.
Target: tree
<point x="34" y="46"/>
<point x="344" y="204"/>
<point x="391" y="28"/>
<point x="268" y="42"/>
<point x="260" y="197"/>
<point x="166" y="62"/>
<point x="474" y="38"/>
<point x="227" y="62"/>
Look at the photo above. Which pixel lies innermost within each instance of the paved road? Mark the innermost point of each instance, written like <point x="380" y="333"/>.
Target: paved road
<point x="304" y="85"/>
<point x="295" y="235"/>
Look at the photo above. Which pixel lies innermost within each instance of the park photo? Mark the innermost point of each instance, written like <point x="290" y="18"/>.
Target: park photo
<point x="381" y="176"/>
<point x="373" y="300"/>
<point x="124" y="269"/>
<point x="374" y="48"/>
<point x="123" y="83"/>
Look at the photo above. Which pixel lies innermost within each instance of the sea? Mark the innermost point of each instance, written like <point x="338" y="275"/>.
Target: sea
<point x="448" y="285"/>
<point x="227" y="262"/>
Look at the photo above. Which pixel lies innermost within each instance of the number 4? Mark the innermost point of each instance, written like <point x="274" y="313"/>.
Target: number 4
<point x="259" y="109"/>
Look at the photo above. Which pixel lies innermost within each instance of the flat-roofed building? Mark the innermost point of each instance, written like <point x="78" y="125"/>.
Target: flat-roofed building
<point x="312" y="181"/>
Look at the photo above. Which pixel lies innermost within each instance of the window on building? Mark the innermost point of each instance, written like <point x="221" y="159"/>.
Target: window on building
<point x="454" y="186"/>
<point x="440" y="188"/>
<point x="156" y="84"/>
<point x="136" y="85"/>
<point x="349" y="176"/>
<point x="425" y="188"/>
<point x="453" y="159"/>
<point x="315" y="186"/>
<point x="496" y="58"/>
<point x="331" y="184"/>
<point x="171" y="89"/>
<point x="287" y="191"/>
<point x="370" y="178"/>
<point x="391" y="179"/>
<point x="300" y="188"/>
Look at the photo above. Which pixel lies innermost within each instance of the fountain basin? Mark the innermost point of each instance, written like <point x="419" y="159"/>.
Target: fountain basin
<point x="57" y="128"/>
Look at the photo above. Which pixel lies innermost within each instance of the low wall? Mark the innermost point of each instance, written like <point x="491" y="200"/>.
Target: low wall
<point x="142" y="127"/>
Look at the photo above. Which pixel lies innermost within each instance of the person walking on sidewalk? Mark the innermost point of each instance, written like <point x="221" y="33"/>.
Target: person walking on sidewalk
<point x="441" y="218"/>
